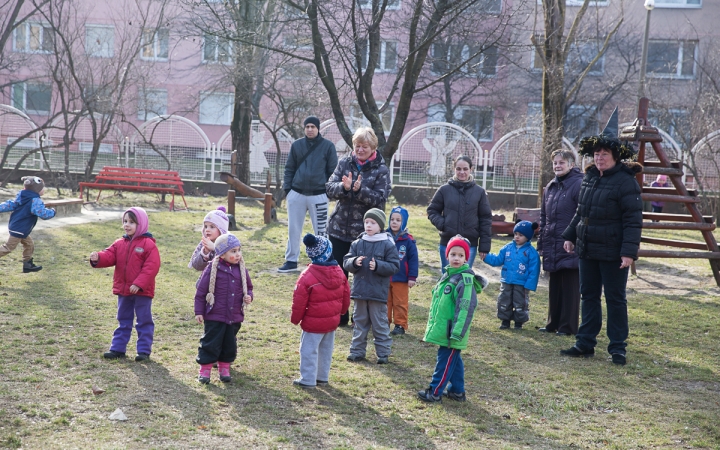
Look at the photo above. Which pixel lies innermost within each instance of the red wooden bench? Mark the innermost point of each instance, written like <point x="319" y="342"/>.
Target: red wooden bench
<point x="141" y="180"/>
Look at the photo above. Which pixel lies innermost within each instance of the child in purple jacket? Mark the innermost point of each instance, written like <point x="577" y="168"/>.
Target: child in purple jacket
<point x="223" y="290"/>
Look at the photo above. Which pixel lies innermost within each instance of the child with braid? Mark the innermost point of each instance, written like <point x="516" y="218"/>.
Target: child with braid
<point x="223" y="290"/>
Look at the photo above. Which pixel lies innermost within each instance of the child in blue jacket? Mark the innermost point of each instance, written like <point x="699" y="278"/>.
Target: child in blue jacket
<point x="26" y="208"/>
<point x="404" y="279"/>
<point x="520" y="272"/>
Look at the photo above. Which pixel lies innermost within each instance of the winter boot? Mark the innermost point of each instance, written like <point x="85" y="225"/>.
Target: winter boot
<point x="204" y="376"/>
<point x="28" y="266"/>
<point x="224" y="369"/>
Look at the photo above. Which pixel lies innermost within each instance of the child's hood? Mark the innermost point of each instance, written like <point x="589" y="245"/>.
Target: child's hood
<point x="332" y="277"/>
<point x="405" y="216"/>
<point x="143" y="222"/>
<point x="26" y="195"/>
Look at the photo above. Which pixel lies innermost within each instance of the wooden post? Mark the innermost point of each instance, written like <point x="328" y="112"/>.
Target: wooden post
<point x="267" y="215"/>
<point x="231" y="202"/>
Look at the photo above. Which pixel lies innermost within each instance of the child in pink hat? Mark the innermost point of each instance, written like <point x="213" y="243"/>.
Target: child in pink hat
<point x="215" y="224"/>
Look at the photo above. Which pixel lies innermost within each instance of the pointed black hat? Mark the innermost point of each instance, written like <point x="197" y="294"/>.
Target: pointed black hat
<point x="608" y="139"/>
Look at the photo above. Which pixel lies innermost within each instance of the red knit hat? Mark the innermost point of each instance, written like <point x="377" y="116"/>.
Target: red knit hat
<point x="458" y="241"/>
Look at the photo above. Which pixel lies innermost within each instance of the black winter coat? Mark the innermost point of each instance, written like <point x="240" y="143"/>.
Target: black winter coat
<point x="560" y="201"/>
<point x="464" y="209"/>
<point x="608" y="221"/>
<point x="346" y="221"/>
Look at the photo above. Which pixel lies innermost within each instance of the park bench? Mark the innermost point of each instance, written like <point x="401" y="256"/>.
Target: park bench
<point x="139" y="180"/>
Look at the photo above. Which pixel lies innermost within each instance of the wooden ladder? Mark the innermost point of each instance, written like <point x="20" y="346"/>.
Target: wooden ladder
<point x="644" y="133"/>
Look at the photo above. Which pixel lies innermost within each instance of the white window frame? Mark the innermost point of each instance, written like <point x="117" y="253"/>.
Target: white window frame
<point x="222" y="115"/>
<point x="436" y="113"/>
<point x="216" y="59"/>
<point x="155" y="96"/>
<point x="678" y="70"/>
<point x="24" y="107"/>
<point x="392" y="4"/>
<point x="26" y="30"/>
<point x="155" y="45"/>
<point x="381" y="59"/>
<point x="678" y="4"/>
<point x="480" y="8"/>
<point x="465" y="56"/>
<point x="105" y="49"/>
<point x="580" y="2"/>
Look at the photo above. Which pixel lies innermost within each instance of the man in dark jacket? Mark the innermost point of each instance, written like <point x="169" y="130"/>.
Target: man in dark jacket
<point x="311" y="161"/>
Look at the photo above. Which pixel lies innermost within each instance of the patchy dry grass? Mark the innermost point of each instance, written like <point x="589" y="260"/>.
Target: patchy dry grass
<point x="56" y="324"/>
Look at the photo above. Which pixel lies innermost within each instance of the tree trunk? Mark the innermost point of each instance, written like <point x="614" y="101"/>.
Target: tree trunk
<point x="241" y="125"/>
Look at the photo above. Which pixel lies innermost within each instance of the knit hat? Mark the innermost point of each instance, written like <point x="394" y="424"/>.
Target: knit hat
<point x="318" y="248"/>
<point x="225" y="242"/>
<point x="143" y="222"/>
<point x="35" y="184"/>
<point x="219" y="218"/>
<point x="313" y="120"/>
<point x="405" y="216"/>
<point x="378" y="216"/>
<point x="526" y="227"/>
<point x="458" y="241"/>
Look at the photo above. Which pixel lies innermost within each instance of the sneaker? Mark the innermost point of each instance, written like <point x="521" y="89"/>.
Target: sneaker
<point x="618" y="359"/>
<point x="544" y="330"/>
<point x="398" y="330"/>
<point x="142" y="357"/>
<point x="577" y="353"/>
<point x="382" y="360"/>
<point x="321" y="382"/>
<point x="505" y="324"/>
<point x="457" y="396"/>
<point x="304" y="386"/>
<point x="355" y="358"/>
<point x="112" y="354"/>
<point x="518" y="325"/>
<point x="204" y="375"/>
<point x="289" y="266"/>
<point x="224" y="369"/>
<point x="427" y="396"/>
<point x="28" y="266"/>
<point x="562" y="333"/>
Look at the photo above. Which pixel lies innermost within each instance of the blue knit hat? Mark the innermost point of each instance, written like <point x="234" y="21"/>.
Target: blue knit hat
<point x="225" y="242"/>
<point x="403" y="214"/>
<point x="318" y="248"/>
<point x="526" y="227"/>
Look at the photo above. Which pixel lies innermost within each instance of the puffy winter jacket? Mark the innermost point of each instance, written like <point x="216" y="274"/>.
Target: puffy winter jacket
<point x="310" y="177"/>
<point x="560" y="200"/>
<point x="136" y="261"/>
<point x="608" y="221"/>
<point x="408" y="254"/>
<point x="372" y="284"/>
<point x="228" y="306"/>
<point x="321" y="294"/>
<point x="26" y="208"/>
<point x="464" y="209"/>
<point x="520" y="265"/>
<point x="454" y="299"/>
<point x="346" y="221"/>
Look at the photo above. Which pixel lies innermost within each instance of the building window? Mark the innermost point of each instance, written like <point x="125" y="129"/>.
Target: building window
<point x="33" y="38"/>
<point x="300" y="72"/>
<point x="678" y="3"/>
<point x="295" y="42"/>
<point x="367" y="4"/>
<point x="216" y="109"/>
<point x="671" y="59"/>
<point x="581" y="54"/>
<point x="152" y="103"/>
<point x="359" y="118"/>
<point x="477" y="120"/>
<point x="478" y="61"/>
<point x="387" y="60"/>
<point x="580" y="121"/>
<point x="155" y="44"/>
<point x="216" y="49"/>
<point x="99" y="99"/>
<point x="580" y="2"/>
<point x="33" y="98"/>
<point x="486" y="7"/>
<point x="99" y="41"/>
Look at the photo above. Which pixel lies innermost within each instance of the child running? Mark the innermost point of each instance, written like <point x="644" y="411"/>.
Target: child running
<point x="454" y="299"/>
<point x="26" y="208"/>
<point x="372" y="260"/>
<point x="215" y="224"/>
<point x="137" y="263"/>
<point x="223" y="290"/>
<point x="321" y="295"/>
<point x="520" y="272"/>
<point x="399" y="293"/>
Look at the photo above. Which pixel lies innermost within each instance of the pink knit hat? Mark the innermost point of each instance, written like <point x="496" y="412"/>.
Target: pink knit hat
<point x="219" y="218"/>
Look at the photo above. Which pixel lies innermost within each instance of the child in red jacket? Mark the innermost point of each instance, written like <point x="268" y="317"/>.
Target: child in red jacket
<point x="321" y="295"/>
<point x="137" y="262"/>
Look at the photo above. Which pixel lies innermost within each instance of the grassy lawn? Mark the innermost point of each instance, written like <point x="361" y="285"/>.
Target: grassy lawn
<point x="56" y="324"/>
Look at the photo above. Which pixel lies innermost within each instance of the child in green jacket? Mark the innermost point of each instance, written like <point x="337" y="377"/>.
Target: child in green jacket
<point x="454" y="299"/>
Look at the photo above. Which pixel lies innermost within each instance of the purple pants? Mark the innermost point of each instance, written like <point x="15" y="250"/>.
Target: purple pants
<point x="129" y="307"/>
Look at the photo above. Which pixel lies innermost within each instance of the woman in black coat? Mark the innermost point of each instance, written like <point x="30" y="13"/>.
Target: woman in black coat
<point x="462" y="207"/>
<point x="560" y="200"/>
<point x="605" y="233"/>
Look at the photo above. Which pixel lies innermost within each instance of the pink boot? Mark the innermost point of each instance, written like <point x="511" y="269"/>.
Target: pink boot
<point x="204" y="376"/>
<point x="224" y="368"/>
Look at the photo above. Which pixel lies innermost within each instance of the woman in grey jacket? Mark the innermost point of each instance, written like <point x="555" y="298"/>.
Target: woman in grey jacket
<point x="462" y="207"/>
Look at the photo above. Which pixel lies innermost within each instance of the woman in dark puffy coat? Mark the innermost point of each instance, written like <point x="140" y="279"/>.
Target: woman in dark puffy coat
<point x="560" y="200"/>
<point x="462" y="207"/>
<point x="605" y="233"/>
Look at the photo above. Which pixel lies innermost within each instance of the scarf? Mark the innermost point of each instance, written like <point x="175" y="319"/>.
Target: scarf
<point x="379" y="237"/>
<point x="359" y="163"/>
<point x="471" y="179"/>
